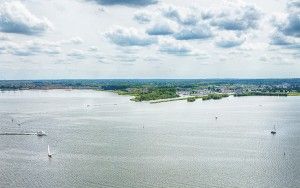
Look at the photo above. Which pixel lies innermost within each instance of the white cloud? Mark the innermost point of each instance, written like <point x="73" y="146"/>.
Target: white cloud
<point x="77" y="54"/>
<point x="293" y="5"/>
<point x="4" y="37"/>
<point x="281" y="40"/>
<point x="289" y="23"/>
<point x="143" y="17"/>
<point x="16" y="18"/>
<point x="32" y="47"/>
<point x="127" y="2"/>
<point x="183" y="16"/>
<point x="89" y="32"/>
<point x="128" y="58"/>
<point x="162" y="28"/>
<point x="200" y="31"/>
<point x="229" y="40"/>
<point x="72" y="41"/>
<point x="128" y="37"/>
<point x="236" y="16"/>
<point x="76" y="40"/>
<point x="93" y="49"/>
<point x="287" y="27"/>
<point x="207" y="14"/>
<point x="252" y="46"/>
<point x="174" y="47"/>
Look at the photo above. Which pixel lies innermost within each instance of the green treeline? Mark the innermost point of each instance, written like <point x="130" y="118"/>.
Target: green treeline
<point x="156" y="93"/>
<point x="215" y="96"/>
<point x="155" y="89"/>
<point x="191" y="99"/>
<point x="260" y="94"/>
<point x="148" y="94"/>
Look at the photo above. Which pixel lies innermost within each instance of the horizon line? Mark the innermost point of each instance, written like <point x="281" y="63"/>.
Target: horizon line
<point x="262" y="78"/>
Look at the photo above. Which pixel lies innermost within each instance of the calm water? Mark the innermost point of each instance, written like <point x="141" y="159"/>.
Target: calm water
<point x="117" y="143"/>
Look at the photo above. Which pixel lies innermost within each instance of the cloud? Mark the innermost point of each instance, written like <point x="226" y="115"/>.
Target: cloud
<point x="197" y="23"/>
<point x="142" y="17"/>
<point x="252" y="46"/>
<point x="292" y="27"/>
<point x="229" y="40"/>
<point x="287" y="27"/>
<point x="77" y="54"/>
<point x="180" y="15"/>
<point x="3" y="49"/>
<point x="4" y="37"/>
<point x="207" y="14"/>
<point x="151" y="59"/>
<point x="128" y="37"/>
<point x="125" y="58"/>
<point x="32" y="47"/>
<point x="281" y="40"/>
<point x="264" y="59"/>
<point x="162" y="28"/>
<point x="93" y="49"/>
<point x="201" y="31"/>
<point x="293" y="5"/>
<point x="288" y="24"/>
<point x="76" y="40"/>
<point x="275" y="59"/>
<point x="16" y="18"/>
<point x="127" y="2"/>
<point x="236" y="17"/>
<point x="36" y="47"/>
<point x="102" y="9"/>
<point x="175" y="48"/>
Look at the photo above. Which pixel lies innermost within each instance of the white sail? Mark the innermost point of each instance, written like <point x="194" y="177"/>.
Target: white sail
<point x="49" y="150"/>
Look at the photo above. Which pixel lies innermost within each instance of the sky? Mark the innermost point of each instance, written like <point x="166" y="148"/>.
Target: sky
<point x="96" y="39"/>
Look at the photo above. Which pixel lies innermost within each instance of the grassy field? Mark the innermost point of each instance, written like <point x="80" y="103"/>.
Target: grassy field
<point x="294" y="94"/>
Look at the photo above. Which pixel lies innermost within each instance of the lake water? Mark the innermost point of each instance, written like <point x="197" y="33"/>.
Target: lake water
<point x="100" y="139"/>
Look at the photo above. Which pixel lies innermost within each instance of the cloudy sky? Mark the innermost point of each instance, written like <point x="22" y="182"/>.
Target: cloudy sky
<point x="57" y="39"/>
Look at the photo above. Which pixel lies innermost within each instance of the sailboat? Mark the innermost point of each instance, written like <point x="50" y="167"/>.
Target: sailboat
<point x="49" y="153"/>
<point x="274" y="130"/>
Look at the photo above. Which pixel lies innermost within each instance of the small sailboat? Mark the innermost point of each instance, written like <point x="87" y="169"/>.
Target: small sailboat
<point x="274" y="130"/>
<point x="49" y="153"/>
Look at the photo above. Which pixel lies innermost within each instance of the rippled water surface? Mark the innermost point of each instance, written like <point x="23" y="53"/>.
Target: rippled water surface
<point x="100" y="139"/>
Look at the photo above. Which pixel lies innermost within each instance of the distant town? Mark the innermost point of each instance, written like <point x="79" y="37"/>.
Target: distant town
<point x="161" y="90"/>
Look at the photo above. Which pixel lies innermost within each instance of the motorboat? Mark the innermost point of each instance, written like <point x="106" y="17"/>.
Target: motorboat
<point x="40" y="133"/>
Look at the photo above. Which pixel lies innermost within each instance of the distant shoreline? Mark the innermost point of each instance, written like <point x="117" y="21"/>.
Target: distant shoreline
<point x="161" y="90"/>
<point x="181" y="98"/>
